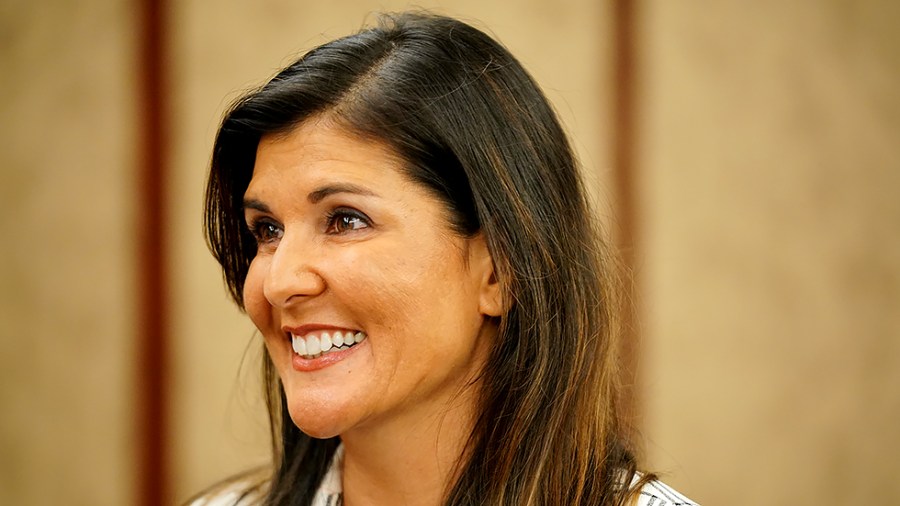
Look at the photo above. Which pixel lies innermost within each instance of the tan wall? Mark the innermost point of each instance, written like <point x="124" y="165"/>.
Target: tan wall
<point x="770" y="267"/>
<point x="770" y="178"/>
<point x="66" y="268"/>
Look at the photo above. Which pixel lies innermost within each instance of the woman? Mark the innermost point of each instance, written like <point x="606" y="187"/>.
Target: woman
<point x="400" y="214"/>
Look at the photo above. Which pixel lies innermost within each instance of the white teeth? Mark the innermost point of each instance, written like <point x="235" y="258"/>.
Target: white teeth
<point x="299" y="345"/>
<point x="326" y="342"/>
<point x="313" y="346"/>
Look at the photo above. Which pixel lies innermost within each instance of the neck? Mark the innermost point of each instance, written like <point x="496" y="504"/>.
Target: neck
<point x="410" y="460"/>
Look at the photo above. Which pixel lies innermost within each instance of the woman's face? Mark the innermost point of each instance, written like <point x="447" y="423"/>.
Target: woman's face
<point x="355" y="256"/>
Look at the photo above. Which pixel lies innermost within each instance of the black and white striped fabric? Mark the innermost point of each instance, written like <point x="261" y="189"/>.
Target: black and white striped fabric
<point x="655" y="493"/>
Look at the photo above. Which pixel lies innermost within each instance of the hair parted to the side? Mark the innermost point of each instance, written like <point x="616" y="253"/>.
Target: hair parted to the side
<point x="474" y="128"/>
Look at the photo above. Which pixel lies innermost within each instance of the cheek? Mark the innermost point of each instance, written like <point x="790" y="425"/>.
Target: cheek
<point x="426" y="292"/>
<point x="398" y="280"/>
<point x="255" y="302"/>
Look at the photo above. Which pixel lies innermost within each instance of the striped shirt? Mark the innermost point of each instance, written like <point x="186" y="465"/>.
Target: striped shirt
<point x="330" y="492"/>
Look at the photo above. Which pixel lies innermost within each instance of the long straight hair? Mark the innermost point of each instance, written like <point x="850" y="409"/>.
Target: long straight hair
<point x="475" y="130"/>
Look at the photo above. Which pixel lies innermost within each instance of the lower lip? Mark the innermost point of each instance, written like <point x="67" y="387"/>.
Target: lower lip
<point x="328" y="359"/>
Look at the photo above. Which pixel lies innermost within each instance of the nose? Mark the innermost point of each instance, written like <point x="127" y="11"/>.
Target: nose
<point x="292" y="276"/>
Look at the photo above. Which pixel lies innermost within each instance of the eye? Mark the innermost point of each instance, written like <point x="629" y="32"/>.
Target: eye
<point x="265" y="231"/>
<point x="344" y="220"/>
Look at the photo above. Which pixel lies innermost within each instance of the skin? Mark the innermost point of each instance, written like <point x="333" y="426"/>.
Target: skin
<point x="346" y="240"/>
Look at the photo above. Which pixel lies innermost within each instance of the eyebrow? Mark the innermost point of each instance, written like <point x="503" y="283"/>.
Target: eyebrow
<point x="316" y="195"/>
<point x="256" y="204"/>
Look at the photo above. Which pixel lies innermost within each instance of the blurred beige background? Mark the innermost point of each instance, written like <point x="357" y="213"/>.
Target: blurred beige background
<point x="767" y="181"/>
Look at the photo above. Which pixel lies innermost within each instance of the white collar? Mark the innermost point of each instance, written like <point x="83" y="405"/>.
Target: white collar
<point x="330" y="491"/>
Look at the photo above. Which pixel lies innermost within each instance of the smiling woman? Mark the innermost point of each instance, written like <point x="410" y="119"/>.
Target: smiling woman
<point x="368" y="255"/>
<point x="400" y="214"/>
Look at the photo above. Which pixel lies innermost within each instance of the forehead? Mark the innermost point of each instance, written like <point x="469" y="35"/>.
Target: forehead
<point x="318" y="148"/>
<point x="317" y="159"/>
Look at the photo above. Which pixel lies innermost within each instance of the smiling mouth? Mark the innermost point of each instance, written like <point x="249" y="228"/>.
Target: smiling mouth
<point x="316" y="344"/>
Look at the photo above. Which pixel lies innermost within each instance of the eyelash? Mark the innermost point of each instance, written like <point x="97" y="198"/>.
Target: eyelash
<point x="258" y="230"/>
<point x="334" y="217"/>
<point x="265" y="230"/>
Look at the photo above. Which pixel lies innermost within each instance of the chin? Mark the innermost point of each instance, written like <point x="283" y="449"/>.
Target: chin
<point x="317" y="432"/>
<point x="318" y="418"/>
<point x="316" y="429"/>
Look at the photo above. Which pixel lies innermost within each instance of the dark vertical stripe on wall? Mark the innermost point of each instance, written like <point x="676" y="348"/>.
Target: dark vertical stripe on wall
<point x="623" y="152"/>
<point x="152" y="332"/>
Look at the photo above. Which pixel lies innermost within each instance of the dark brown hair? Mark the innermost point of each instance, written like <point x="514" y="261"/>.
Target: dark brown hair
<point x="474" y="128"/>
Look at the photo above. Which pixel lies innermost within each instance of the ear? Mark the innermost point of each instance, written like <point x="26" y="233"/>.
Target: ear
<point x="490" y="300"/>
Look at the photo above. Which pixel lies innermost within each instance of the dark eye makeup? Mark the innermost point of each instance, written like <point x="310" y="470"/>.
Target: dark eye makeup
<point x="345" y="219"/>
<point x="340" y="220"/>
<point x="264" y="230"/>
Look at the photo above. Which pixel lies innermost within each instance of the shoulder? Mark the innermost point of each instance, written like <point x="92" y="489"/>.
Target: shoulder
<point x="657" y="493"/>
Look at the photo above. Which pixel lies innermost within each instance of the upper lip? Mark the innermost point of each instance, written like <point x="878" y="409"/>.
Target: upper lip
<point x="302" y="330"/>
